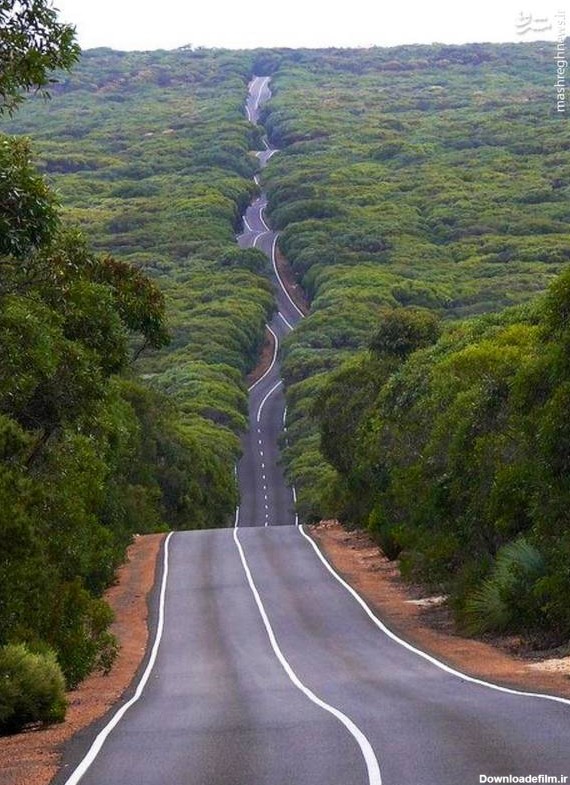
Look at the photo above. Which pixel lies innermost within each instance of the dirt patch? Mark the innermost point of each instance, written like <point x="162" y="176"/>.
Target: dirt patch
<point x="428" y="624"/>
<point x="264" y="361"/>
<point x="290" y="282"/>
<point x="32" y="758"/>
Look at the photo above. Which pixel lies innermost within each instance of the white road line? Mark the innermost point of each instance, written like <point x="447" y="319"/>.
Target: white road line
<point x="283" y="318"/>
<point x="273" y="360"/>
<point x="262" y="219"/>
<point x="287" y="322"/>
<point x="236" y="521"/>
<point x="100" y="739"/>
<point x="424" y="655"/>
<point x="274" y="262"/>
<point x="258" y="98"/>
<point x="264" y="401"/>
<point x="294" y="492"/>
<point x="372" y="767"/>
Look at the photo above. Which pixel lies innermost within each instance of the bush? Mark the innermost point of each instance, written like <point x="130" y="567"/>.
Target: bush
<point x="508" y="600"/>
<point x="32" y="688"/>
<point x="80" y="634"/>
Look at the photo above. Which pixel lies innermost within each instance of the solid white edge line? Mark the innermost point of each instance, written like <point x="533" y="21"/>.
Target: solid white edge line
<point x="373" y="769"/>
<point x="294" y="492"/>
<point x="258" y="98"/>
<point x="262" y="219"/>
<point x="273" y="360"/>
<point x="264" y="401"/>
<point x="274" y="262"/>
<point x="288" y="323"/>
<point x="246" y="222"/>
<point x="424" y="655"/>
<point x="101" y="737"/>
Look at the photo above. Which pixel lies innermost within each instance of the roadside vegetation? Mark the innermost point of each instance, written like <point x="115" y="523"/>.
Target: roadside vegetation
<point x="422" y="196"/>
<point x="128" y="321"/>
<point x="422" y="199"/>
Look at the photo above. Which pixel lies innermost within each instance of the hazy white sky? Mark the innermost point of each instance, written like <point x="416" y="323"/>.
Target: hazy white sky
<point x="167" y="24"/>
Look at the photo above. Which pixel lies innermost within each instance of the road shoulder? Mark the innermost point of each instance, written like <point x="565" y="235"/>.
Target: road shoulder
<point x="425" y="624"/>
<point x="33" y="758"/>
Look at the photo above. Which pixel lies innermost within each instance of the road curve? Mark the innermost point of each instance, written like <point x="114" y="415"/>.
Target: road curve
<point x="269" y="671"/>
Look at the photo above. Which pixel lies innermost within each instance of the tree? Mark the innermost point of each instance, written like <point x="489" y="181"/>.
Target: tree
<point x="33" y="44"/>
<point x="403" y="330"/>
<point x="28" y="215"/>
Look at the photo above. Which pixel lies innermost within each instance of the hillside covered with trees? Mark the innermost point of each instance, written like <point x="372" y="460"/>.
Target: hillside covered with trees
<point x="417" y="189"/>
<point x="128" y="321"/>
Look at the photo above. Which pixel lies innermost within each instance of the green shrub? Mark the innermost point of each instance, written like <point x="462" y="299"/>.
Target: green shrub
<point x="32" y="688"/>
<point x="80" y="634"/>
<point x="508" y="599"/>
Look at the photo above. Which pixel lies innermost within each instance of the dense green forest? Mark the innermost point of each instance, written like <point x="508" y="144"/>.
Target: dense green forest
<point x="129" y="318"/>
<point x="149" y="155"/>
<point x="418" y="188"/>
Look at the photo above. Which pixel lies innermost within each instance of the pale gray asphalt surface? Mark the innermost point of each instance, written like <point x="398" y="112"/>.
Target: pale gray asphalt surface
<point x="219" y="708"/>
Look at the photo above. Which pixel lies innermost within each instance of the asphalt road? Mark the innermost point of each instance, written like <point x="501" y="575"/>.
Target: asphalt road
<point x="267" y="670"/>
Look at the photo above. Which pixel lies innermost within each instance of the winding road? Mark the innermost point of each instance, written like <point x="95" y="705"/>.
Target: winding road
<point x="267" y="669"/>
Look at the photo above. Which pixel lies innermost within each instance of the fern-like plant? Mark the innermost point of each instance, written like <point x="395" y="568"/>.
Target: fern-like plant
<point x="507" y="596"/>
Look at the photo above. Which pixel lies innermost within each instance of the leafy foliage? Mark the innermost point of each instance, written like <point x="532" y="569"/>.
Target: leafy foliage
<point x="417" y="189"/>
<point x="31" y="688"/>
<point x="123" y="344"/>
<point x="33" y="44"/>
<point x="149" y="153"/>
<point x="506" y="598"/>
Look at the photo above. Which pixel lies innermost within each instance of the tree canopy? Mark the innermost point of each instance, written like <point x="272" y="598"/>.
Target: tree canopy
<point x="34" y="44"/>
